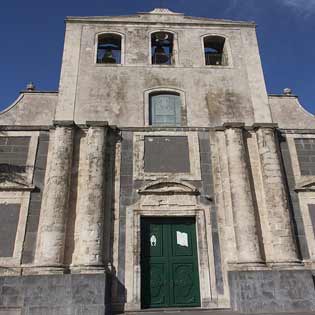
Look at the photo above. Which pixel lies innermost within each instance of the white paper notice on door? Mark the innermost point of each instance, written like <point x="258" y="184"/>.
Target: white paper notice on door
<point x="182" y="238"/>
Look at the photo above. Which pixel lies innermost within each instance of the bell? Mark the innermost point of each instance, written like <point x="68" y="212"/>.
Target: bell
<point x="160" y="56"/>
<point x="108" y="56"/>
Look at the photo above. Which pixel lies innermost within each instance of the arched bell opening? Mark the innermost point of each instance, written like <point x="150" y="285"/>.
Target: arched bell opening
<point x="109" y="49"/>
<point x="215" y="51"/>
<point x="162" y="48"/>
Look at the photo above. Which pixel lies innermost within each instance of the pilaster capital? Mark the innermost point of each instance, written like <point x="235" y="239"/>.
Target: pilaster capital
<point x="96" y="123"/>
<point x="265" y="126"/>
<point x="63" y="123"/>
<point x="235" y="125"/>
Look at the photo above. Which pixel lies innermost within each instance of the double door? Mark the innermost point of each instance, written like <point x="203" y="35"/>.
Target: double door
<point x="169" y="263"/>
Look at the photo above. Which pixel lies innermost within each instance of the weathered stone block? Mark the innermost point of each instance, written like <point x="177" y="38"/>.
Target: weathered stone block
<point x="272" y="291"/>
<point x="60" y="294"/>
<point x="10" y="312"/>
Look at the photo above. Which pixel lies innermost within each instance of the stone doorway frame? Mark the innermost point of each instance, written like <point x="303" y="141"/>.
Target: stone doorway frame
<point x="208" y="293"/>
<point x="171" y="258"/>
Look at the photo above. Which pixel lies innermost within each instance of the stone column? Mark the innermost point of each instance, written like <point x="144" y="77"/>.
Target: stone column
<point x="53" y="218"/>
<point x="242" y="202"/>
<point x="280" y="246"/>
<point x="88" y="253"/>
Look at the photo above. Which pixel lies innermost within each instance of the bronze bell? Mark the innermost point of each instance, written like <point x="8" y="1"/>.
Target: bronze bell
<point x="108" y="56"/>
<point x="160" y="56"/>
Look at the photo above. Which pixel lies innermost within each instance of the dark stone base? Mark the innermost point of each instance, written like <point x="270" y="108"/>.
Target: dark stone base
<point x="252" y="292"/>
<point x="76" y="294"/>
<point x="255" y="292"/>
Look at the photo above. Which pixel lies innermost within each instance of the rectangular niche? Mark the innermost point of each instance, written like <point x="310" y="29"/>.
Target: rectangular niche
<point x="166" y="154"/>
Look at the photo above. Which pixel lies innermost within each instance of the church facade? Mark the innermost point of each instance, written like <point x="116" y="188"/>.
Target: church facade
<point x="160" y="175"/>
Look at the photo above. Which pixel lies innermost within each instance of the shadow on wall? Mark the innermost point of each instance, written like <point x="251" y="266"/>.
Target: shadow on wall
<point x="117" y="302"/>
<point x="228" y="105"/>
<point x="117" y="293"/>
<point x="12" y="173"/>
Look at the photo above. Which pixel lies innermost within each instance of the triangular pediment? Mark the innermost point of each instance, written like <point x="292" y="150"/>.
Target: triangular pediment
<point x="307" y="184"/>
<point x="168" y="187"/>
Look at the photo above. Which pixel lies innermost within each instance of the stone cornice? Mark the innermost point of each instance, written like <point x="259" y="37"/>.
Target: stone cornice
<point x="186" y="21"/>
<point x="265" y="125"/>
<point x="152" y="128"/>
<point x="24" y="128"/>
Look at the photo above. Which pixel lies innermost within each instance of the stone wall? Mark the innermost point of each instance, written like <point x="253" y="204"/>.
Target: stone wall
<point x="294" y="200"/>
<point x="235" y="92"/>
<point x="207" y="190"/>
<point x="36" y="199"/>
<point x="55" y="295"/>
<point x="272" y="291"/>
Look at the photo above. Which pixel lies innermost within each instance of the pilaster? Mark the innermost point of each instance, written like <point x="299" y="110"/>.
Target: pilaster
<point x="52" y="226"/>
<point x="247" y="240"/>
<point x="280" y="247"/>
<point x="88" y="252"/>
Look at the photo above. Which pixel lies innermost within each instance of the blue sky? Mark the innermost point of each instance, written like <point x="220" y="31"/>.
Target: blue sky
<point x="32" y="38"/>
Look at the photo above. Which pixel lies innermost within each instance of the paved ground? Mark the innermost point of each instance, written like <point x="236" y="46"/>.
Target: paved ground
<point x="213" y="313"/>
<point x="183" y="312"/>
<point x="206" y="312"/>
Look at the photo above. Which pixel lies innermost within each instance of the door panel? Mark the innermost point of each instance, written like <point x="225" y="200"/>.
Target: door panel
<point x="184" y="284"/>
<point x="154" y="265"/>
<point x="169" y="264"/>
<point x="155" y="292"/>
<point x="153" y="244"/>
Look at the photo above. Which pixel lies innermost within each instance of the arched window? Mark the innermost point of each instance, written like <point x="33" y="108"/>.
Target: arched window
<point x="162" y="46"/>
<point x="215" y="51"/>
<point x="165" y="109"/>
<point x="109" y="49"/>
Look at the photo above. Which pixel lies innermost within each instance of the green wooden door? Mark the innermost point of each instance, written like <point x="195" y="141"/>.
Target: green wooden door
<point x="169" y="264"/>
